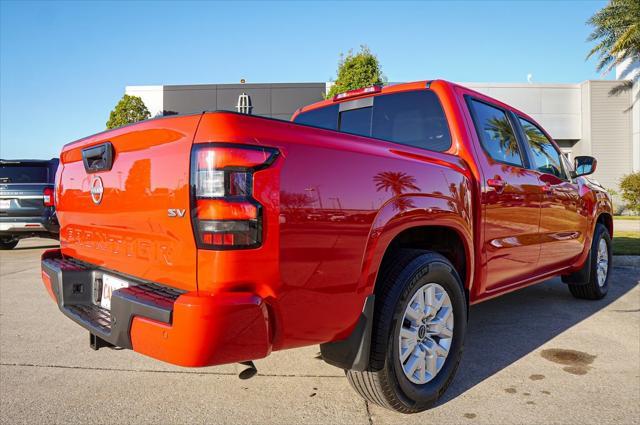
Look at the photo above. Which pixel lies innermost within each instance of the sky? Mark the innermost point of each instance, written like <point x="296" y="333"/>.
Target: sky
<point x="64" y="65"/>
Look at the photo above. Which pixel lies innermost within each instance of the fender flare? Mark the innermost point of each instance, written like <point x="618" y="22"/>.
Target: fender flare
<point x="352" y="352"/>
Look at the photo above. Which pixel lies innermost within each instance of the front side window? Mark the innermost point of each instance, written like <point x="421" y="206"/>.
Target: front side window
<point x="326" y="117"/>
<point x="412" y="118"/>
<point x="546" y="158"/>
<point x="356" y="121"/>
<point x="496" y="133"/>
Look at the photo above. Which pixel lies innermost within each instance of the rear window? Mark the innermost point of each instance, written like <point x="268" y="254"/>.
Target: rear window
<point x="326" y="117"/>
<point x="356" y="121"/>
<point x="24" y="174"/>
<point x="412" y="118"/>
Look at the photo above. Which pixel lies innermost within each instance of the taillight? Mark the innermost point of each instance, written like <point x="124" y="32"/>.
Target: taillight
<point x="225" y="214"/>
<point x="47" y="197"/>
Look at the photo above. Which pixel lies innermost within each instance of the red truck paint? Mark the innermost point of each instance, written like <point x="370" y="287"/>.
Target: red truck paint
<point x="332" y="204"/>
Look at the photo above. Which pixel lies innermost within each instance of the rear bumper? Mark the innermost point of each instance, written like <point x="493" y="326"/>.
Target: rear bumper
<point x="27" y="226"/>
<point x="182" y="328"/>
<point x="21" y="226"/>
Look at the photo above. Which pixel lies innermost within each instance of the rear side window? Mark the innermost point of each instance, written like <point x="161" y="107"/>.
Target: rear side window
<point x="412" y="118"/>
<point x="496" y="133"/>
<point x="356" y="121"/>
<point x="546" y="159"/>
<point x="24" y="174"/>
<point x="326" y="117"/>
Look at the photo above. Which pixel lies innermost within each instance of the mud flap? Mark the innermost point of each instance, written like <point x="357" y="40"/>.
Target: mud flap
<point x="582" y="276"/>
<point x="353" y="352"/>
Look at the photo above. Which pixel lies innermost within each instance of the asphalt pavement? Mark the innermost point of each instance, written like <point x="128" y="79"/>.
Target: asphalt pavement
<point x="535" y="356"/>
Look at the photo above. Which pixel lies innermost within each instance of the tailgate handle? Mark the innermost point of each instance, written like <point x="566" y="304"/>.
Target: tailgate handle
<point x="98" y="158"/>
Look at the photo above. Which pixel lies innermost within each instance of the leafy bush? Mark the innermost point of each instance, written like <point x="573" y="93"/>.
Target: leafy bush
<point x="357" y="70"/>
<point x="129" y="109"/>
<point x="630" y="188"/>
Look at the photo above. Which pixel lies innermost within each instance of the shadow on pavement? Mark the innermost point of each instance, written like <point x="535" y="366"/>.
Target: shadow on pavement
<point x="505" y="329"/>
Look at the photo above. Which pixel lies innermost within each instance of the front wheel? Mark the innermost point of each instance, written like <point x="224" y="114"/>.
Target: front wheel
<point x="600" y="267"/>
<point x="420" y="321"/>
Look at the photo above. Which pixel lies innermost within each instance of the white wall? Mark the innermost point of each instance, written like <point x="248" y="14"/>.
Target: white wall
<point x="555" y="106"/>
<point x="635" y="125"/>
<point x="628" y="70"/>
<point x="152" y="96"/>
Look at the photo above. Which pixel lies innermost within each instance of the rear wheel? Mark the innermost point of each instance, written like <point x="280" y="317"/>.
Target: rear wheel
<point x="600" y="265"/>
<point x="420" y="321"/>
<point x="8" y="243"/>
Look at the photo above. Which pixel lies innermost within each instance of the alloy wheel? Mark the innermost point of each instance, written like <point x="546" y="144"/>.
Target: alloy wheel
<point x="602" y="262"/>
<point x="426" y="333"/>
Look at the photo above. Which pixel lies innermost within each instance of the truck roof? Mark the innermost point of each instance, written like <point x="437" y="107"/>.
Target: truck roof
<point x="416" y="85"/>
<point x="393" y="88"/>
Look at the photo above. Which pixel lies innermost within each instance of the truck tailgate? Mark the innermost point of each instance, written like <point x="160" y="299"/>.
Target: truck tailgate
<point x="119" y="218"/>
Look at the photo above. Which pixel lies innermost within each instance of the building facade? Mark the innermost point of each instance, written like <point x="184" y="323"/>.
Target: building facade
<point x="583" y="118"/>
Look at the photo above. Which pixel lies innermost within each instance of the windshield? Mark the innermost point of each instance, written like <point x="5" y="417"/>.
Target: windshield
<point x="24" y="174"/>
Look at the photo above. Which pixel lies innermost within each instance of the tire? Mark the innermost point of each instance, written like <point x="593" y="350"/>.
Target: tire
<point x="596" y="287"/>
<point x="385" y="382"/>
<point x="6" y="244"/>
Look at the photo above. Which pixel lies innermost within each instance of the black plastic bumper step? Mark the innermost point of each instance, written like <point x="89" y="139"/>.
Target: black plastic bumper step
<point x="78" y="288"/>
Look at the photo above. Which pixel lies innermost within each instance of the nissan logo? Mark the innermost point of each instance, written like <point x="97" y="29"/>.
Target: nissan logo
<point x="96" y="190"/>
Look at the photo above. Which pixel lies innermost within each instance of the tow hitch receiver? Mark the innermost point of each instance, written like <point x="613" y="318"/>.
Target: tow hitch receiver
<point x="96" y="343"/>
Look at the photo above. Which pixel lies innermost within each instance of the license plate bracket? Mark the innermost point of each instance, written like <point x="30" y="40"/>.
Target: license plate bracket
<point x="109" y="285"/>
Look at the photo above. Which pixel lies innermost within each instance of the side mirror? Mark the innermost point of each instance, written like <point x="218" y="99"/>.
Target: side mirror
<point x="584" y="165"/>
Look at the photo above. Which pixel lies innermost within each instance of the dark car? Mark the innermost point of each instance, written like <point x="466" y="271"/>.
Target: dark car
<point x="26" y="200"/>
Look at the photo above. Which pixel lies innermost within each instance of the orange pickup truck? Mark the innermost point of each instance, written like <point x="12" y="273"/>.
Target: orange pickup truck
<point x="367" y="225"/>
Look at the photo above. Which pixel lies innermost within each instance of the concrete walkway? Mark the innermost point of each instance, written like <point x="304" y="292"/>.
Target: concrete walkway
<point x="534" y="356"/>
<point x="626" y="226"/>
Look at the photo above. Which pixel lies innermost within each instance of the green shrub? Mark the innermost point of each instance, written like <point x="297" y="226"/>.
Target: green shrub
<point x="357" y="70"/>
<point x="630" y="188"/>
<point x="129" y="109"/>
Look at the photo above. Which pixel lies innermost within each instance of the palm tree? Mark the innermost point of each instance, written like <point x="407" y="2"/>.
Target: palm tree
<point x="397" y="183"/>
<point x="500" y="128"/>
<point x="617" y="34"/>
<point x="538" y="141"/>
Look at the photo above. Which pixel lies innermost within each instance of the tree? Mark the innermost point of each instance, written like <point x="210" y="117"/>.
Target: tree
<point x="129" y="109"/>
<point x="630" y="188"/>
<point x="617" y="34"/>
<point x="397" y="183"/>
<point x="357" y="70"/>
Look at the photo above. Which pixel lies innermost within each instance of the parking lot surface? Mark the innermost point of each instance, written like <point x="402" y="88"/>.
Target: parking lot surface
<point x="533" y="356"/>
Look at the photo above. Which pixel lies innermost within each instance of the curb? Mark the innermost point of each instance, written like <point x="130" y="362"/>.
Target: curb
<point x="626" y="260"/>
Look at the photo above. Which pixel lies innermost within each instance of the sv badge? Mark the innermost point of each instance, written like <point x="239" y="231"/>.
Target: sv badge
<point x="175" y="212"/>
